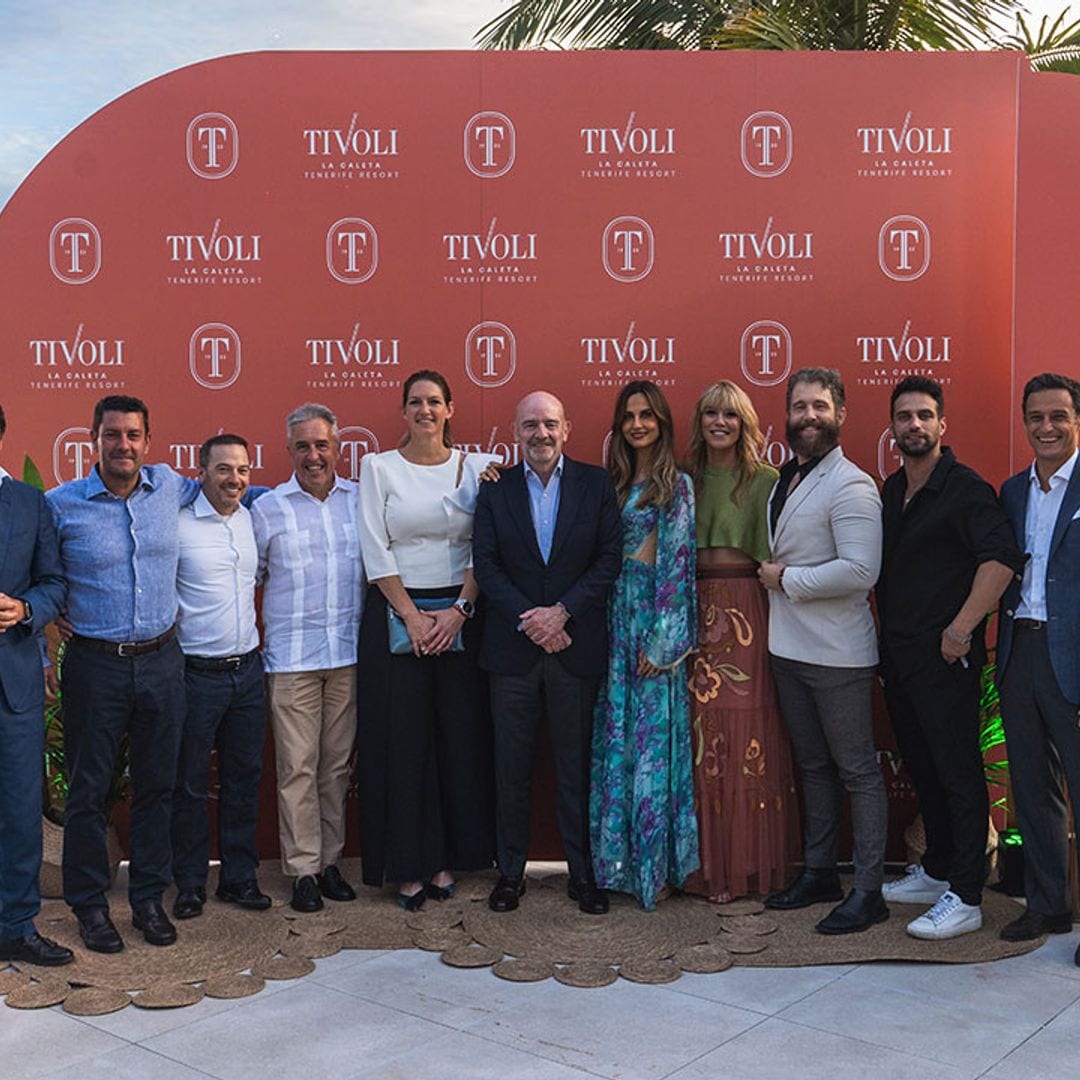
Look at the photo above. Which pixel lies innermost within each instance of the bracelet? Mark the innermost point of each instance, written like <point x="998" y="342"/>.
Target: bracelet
<point x="780" y="580"/>
<point x="958" y="639"/>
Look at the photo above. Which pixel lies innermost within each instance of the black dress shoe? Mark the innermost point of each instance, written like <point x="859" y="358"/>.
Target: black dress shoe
<point x="333" y="886"/>
<point x="98" y="932"/>
<point x="1031" y="925"/>
<point x="412" y="901"/>
<point x="245" y="894"/>
<point x="35" y="949"/>
<point x="504" y="897"/>
<point x="189" y="903"/>
<point x="590" y="899"/>
<point x="861" y="910"/>
<point x="810" y="887"/>
<point x="150" y="918"/>
<point x="305" y="895"/>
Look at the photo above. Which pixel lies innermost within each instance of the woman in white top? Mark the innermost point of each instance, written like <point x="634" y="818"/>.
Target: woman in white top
<point x="424" y="730"/>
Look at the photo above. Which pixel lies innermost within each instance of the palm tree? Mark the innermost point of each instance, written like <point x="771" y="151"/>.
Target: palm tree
<point x="1055" y="47"/>
<point x="747" y="24"/>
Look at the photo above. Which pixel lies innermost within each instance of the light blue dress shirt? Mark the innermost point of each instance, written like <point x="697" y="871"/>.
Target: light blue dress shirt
<point x="120" y="555"/>
<point x="544" y="505"/>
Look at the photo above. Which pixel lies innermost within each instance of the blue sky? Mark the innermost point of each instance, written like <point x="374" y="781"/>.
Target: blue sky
<point x="62" y="60"/>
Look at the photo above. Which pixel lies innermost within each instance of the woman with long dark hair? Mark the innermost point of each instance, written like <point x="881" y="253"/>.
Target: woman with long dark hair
<point x="641" y="814"/>
<point x="424" y="732"/>
<point x="744" y="791"/>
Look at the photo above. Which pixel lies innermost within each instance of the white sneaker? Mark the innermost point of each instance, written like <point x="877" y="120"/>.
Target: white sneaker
<point x="949" y="917"/>
<point x="915" y="887"/>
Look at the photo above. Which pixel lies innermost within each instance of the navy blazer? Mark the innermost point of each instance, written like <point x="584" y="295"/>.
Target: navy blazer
<point x="586" y="558"/>
<point x="1062" y="582"/>
<point x="29" y="569"/>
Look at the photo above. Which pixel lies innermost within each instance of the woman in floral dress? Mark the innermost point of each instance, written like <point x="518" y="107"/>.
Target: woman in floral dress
<point x="641" y="813"/>
<point x="744" y="792"/>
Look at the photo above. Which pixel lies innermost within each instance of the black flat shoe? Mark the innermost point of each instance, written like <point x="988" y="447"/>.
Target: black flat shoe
<point x="1032" y="925"/>
<point x="334" y="886"/>
<point x="150" y="918"/>
<point x="35" y="949"/>
<point x="245" y="894"/>
<point x="810" y="887"/>
<point x="439" y="892"/>
<point x="305" y="895"/>
<point x="412" y="901"/>
<point x="862" y="909"/>
<point x="188" y="903"/>
<point x="98" y="932"/>
<point x="504" y="897"/>
<point x="590" y="899"/>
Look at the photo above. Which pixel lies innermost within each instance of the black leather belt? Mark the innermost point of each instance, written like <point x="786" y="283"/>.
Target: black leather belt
<point x="1029" y="624"/>
<point x="126" y="648"/>
<point x="220" y="663"/>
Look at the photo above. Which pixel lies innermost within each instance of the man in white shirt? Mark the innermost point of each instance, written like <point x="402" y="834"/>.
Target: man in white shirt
<point x="310" y="564"/>
<point x="223" y="678"/>
<point x="1038" y="654"/>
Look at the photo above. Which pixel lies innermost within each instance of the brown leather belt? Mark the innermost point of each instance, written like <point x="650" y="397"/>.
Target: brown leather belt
<point x="1029" y="624"/>
<point x="126" y="648"/>
<point x="220" y="663"/>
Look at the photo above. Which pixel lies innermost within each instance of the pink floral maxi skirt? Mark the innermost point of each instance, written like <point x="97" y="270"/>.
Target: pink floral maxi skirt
<point x="744" y="794"/>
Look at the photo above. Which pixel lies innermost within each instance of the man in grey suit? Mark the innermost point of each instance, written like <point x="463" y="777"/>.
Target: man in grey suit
<point x="1038" y="654"/>
<point x="32" y="591"/>
<point x="825" y="533"/>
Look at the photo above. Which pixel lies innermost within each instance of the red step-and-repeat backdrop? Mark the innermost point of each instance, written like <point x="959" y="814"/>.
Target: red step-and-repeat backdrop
<point x="250" y="233"/>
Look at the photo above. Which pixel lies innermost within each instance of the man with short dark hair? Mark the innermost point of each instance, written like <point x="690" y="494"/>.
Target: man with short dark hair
<point x="223" y="676"/>
<point x="32" y="589"/>
<point x="123" y="670"/>
<point x="309" y="554"/>
<point x="825" y="534"/>
<point x="1038" y="652"/>
<point x="948" y="555"/>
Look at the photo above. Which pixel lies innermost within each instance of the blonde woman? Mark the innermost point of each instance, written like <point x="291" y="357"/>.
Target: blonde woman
<point x="743" y="784"/>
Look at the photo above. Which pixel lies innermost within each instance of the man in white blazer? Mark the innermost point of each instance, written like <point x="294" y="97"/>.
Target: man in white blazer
<point x="825" y="534"/>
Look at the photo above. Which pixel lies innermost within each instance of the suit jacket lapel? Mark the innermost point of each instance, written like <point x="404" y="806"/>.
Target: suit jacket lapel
<point x="517" y="498"/>
<point x="800" y="494"/>
<point x="1069" y="505"/>
<point x="569" y="504"/>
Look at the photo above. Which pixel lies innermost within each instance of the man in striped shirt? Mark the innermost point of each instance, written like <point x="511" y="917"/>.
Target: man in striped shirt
<point x="310" y="564"/>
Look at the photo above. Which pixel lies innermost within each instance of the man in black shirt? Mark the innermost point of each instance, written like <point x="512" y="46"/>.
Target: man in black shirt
<point x="948" y="554"/>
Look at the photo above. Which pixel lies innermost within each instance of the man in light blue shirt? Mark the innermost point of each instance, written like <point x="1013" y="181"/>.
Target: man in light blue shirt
<point x="123" y="673"/>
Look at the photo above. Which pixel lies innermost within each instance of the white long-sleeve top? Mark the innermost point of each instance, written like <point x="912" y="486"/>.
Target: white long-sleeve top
<point x="415" y="521"/>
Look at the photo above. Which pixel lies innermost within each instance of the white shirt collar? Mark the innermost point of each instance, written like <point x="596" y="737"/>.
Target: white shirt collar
<point x="4" y="473"/>
<point x="1064" y="474"/>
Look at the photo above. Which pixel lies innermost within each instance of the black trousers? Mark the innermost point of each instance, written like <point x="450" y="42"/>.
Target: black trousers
<point x="226" y="710"/>
<point x="935" y="715"/>
<point x="423" y="755"/>
<point x="518" y="703"/>
<point x="106" y="697"/>
<point x="1043" y="732"/>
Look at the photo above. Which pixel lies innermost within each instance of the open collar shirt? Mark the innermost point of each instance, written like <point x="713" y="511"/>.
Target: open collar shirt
<point x="1043" y="508"/>
<point x="215" y="581"/>
<point x="544" y="504"/>
<point x="312" y="575"/>
<point x="120" y="555"/>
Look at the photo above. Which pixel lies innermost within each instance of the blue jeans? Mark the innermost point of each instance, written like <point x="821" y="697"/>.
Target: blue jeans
<point x="227" y="710"/>
<point x="105" y="698"/>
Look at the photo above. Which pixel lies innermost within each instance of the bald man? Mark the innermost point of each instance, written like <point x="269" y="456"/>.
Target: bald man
<point x="547" y="546"/>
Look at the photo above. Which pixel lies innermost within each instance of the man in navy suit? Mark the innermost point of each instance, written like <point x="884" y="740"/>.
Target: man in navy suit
<point x="547" y="546"/>
<point x="32" y="591"/>
<point x="1038" y="654"/>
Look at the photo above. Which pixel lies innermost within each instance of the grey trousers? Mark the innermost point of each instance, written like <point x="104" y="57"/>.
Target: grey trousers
<point x="828" y="715"/>
<point x="1044" y="752"/>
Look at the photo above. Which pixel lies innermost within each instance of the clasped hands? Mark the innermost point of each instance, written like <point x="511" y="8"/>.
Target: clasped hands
<point x="12" y="611"/>
<point x="433" y="632"/>
<point x="545" y="626"/>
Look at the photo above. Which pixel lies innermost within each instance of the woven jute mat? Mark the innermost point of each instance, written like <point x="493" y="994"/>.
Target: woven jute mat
<point x="547" y="936"/>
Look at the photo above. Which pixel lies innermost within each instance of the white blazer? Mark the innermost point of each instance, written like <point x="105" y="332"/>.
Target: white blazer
<point x="829" y="540"/>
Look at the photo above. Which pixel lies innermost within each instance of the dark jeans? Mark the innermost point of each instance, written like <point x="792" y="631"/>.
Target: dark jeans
<point x="1042" y="730"/>
<point x="22" y="737"/>
<point x="935" y="715"/>
<point x="518" y="702"/>
<point x="226" y="709"/>
<point x="106" y="697"/>
<point x="828" y="714"/>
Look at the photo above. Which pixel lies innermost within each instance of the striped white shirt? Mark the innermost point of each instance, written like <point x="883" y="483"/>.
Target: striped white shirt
<point x="312" y="575"/>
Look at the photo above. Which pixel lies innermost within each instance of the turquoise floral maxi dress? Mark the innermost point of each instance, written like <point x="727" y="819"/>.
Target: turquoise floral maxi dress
<point x="643" y="828"/>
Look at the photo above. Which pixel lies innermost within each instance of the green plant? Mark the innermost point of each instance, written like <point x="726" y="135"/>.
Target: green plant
<point x="992" y="729"/>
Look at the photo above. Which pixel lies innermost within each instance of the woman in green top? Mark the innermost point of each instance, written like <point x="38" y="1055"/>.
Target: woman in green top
<point x="743" y="788"/>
